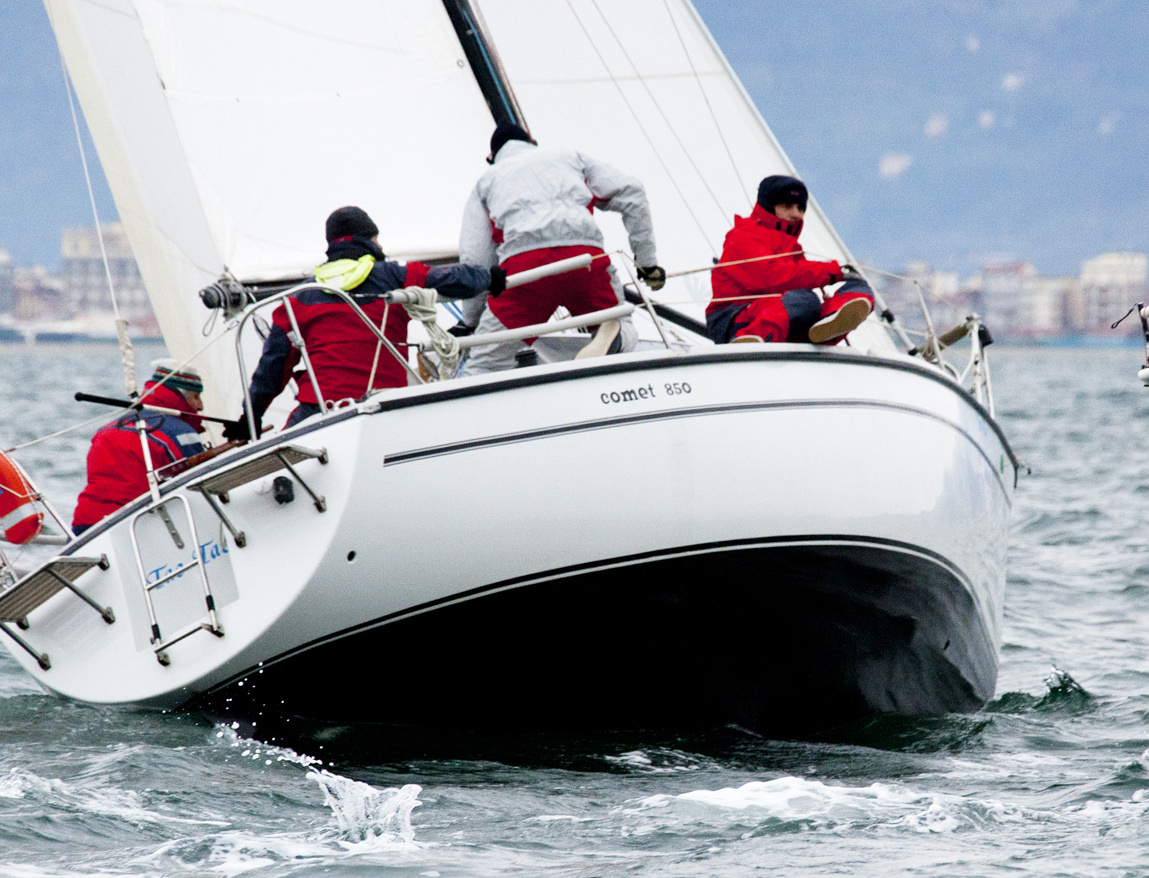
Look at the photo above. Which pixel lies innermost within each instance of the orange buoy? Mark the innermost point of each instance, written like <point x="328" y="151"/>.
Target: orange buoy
<point x="21" y="517"/>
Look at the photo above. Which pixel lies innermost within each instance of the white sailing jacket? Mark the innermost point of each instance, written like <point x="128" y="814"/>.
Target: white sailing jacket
<point x="533" y="197"/>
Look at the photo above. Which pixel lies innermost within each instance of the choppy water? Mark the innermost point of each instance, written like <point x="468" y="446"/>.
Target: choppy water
<point x="1051" y="779"/>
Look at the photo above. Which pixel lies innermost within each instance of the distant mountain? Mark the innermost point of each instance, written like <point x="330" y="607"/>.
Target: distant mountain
<point x="954" y="133"/>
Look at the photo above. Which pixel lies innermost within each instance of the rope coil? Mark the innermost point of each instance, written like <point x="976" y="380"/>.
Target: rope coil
<point x="446" y="346"/>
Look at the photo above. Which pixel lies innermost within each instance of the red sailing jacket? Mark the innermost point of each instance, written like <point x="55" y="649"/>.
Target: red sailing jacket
<point x="763" y="234"/>
<point x="116" y="470"/>
<point x="342" y="349"/>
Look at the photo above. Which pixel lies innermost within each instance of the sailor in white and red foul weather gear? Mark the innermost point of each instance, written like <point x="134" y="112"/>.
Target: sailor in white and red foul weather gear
<point x="535" y="206"/>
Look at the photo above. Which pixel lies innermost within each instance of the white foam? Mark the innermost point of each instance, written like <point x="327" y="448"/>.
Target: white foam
<point x="816" y="805"/>
<point x="238" y="852"/>
<point x="369" y="822"/>
<point x="121" y="804"/>
<point x="365" y="814"/>
<point x="660" y="762"/>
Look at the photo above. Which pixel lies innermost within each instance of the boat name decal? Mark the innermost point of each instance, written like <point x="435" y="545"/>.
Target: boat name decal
<point x="208" y="552"/>
<point x="634" y="394"/>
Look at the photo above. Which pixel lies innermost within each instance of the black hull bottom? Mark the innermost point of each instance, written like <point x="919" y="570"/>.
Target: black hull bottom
<point x="784" y="640"/>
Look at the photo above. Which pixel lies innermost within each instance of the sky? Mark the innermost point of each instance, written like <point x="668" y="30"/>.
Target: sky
<point x="954" y="132"/>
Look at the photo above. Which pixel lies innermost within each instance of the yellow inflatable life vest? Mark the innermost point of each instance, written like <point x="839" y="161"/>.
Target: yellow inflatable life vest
<point x="345" y="274"/>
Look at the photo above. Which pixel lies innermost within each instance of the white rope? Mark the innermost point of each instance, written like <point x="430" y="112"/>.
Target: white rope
<point x="103" y="416"/>
<point x="378" y="349"/>
<point x="127" y="354"/>
<point x="446" y="345"/>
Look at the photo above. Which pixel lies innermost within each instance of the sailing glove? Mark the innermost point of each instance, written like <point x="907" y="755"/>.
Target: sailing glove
<point x="498" y="281"/>
<point x="851" y="273"/>
<point x="654" y="276"/>
<point x="237" y="430"/>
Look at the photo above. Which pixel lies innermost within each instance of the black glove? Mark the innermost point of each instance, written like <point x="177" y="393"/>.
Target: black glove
<point x="461" y="329"/>
<point x="238" y="430"/>
<point x="498" y="281"/>
<point x="851" y="273"/>
<point x="654" y="276"/>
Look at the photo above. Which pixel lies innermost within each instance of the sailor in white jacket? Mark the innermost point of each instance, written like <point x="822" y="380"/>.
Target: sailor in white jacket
<point x="534" y="206"/>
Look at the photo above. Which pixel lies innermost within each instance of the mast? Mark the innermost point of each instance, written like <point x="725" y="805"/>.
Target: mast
<point x="485" y="63"/>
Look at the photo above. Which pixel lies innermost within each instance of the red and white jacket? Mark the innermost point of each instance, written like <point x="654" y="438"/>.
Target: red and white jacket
<point x="533" y="197"/>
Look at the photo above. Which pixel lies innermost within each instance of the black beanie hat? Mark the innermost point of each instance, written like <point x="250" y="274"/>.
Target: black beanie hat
<point x="350" y="221"/>
<point x="505" y="131"/>
<point x="778" y="189"/>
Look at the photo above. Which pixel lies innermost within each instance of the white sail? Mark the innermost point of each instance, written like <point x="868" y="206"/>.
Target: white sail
<point x="643" y="85"/>
<point x="229" y="129"/>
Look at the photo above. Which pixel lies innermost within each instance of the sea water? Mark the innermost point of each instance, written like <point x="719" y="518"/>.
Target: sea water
<point x="1052" y="778"/>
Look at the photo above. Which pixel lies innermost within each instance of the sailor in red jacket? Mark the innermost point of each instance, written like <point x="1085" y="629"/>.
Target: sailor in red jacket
<point x="117" y="473"/>
<point x="786" y="308"/>
<point x="348" y="358"/>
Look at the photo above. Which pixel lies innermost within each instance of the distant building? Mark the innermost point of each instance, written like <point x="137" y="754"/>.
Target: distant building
<point x="1007" y="289"/>
<point x="7" y="276"/>
<point x="1063" y="293"/>
<point x="949" y="301"/>
<point x="38" y="296"/>
<point x="1110" y="284"/>
<point x="85" y="277"/>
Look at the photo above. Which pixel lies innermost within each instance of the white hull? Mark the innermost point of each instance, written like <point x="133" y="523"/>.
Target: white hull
<point x="842" y="520"/>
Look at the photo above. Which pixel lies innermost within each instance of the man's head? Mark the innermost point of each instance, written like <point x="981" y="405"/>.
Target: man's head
<point x="184" y="379"/>
<point x="785" y="197"/>
<point x="348" y="222"/>
<point x="505" y="131"/>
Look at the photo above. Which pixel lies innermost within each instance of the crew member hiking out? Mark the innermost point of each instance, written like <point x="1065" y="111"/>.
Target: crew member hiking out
<point x="762" y="289"/>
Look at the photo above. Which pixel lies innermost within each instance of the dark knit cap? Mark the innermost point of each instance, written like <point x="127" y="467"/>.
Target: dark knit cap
<point x="507" y="131"/>
<point x="350" y="221"/>
<point x="778" y="189"/>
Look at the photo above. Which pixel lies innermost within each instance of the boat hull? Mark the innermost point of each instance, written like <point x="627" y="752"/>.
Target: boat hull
<point x="782" y="538"/>
<point x="783" y="637"/>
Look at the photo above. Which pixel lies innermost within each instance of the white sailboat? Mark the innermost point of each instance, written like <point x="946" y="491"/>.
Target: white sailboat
<point x="592" y="544"/>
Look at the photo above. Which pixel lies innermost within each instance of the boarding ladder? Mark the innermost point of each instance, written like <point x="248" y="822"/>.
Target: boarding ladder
<point x="214" y="489"/>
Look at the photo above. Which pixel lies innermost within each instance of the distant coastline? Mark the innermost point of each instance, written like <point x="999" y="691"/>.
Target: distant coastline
<point x="1090" y="341"/>
<point x="16" y="338"/>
